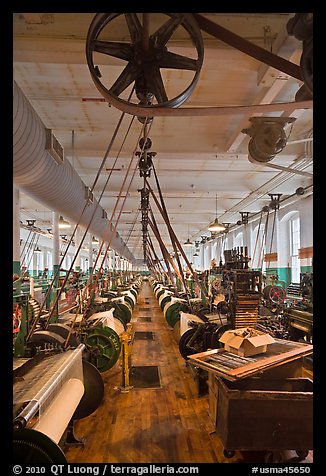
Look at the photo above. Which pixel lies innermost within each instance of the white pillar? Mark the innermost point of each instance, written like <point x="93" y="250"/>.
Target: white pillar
<point x="90" y="253"/>
<point x="56" y="244"/>
<point x="77" y="242"/>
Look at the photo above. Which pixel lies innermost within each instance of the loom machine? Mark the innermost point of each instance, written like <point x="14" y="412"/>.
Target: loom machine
<point x="235" y="298"/>
<point x="299" y="314"/>
<point x="51" y="391"/>
<point x="57" y="369"/>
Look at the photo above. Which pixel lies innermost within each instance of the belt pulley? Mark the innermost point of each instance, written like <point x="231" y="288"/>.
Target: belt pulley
<point x="144" y="57"/>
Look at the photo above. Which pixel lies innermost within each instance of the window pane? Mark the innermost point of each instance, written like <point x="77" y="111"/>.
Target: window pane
<point x="294" y="249"/>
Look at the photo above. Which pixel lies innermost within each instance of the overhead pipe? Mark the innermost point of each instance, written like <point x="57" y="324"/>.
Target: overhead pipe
<point x="56" y="186"/>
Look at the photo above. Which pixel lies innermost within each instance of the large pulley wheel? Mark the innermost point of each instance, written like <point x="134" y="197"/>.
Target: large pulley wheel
<point x="301" y="26"/>
<point x="188" y="344"/>
<point x="104" y="347"/>
<point x="93" y="393"/>
<point x="34" y="448"/>
<point x="145" y="57"/>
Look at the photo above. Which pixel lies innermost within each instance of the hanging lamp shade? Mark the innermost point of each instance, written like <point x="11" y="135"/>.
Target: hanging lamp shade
<point x="188" y="243"/>
<point x="216" y="226"/>
<point x="63" y="223"/>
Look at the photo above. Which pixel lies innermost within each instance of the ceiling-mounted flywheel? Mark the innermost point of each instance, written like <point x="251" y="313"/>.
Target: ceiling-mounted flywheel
<point x="140" y="51"/>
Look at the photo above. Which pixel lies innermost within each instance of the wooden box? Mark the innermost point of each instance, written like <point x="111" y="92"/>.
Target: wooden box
<point x="212" y="396"/>
<point x="240" y="342"/>
<point x="265" y="414"/>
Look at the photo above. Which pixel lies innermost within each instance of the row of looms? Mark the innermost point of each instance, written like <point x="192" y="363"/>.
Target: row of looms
<point x="143" y="334"/>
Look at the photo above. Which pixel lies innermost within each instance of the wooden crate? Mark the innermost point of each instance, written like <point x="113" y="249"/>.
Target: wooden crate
<point x="265" y="414"/>
<point x="212" y="396"/>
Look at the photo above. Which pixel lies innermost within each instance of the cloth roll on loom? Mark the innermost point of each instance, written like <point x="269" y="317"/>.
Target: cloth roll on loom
<point x="46" y="398"/>
<point x="107" y="319"/>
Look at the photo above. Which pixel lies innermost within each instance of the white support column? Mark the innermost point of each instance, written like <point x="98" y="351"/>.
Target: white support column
<point x="56" y="244"/>
<point x="90" y="254"/>
<point x="45" y="258"/>
<point x="77" y="242"/>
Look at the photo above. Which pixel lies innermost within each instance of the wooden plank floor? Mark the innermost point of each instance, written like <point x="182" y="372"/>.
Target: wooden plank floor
<point x="169" y="424"/>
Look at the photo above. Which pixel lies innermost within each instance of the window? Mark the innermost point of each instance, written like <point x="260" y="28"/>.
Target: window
<point x="224" y="246"/>
<point x="238" y="242"/>
<point x="207" y="262"/>
<point x="49" y="260"/>
<point x="39" y="263"/>
<point x="214" y="251"/>
<point x="68" y="261"/>
<point x="294" y="225"/>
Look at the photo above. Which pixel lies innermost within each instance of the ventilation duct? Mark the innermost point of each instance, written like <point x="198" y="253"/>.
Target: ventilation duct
<point x="56" y="185"/>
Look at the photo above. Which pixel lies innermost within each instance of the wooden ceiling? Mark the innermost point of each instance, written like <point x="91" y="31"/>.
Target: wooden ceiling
<point x="197" y="158"/>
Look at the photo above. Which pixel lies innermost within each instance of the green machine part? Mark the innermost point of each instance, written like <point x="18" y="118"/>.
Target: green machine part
<point x="104" y="347"/>
<point x="160" y="292"/>
<point x="172" y="314"/>
<point x="165" y="301"/>
<point x="122" y="311"/>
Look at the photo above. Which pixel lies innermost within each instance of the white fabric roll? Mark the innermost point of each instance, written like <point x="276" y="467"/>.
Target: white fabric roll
<point x="55" y="420"/>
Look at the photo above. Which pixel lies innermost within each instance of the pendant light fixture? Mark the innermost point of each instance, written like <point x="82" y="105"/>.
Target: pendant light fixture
<point x="63" y="223"/>
<point x="188" y="243"/>
<point x="215" y="226"/>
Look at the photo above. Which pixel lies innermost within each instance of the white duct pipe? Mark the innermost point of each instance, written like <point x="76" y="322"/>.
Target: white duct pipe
<point x="56" y="186"/>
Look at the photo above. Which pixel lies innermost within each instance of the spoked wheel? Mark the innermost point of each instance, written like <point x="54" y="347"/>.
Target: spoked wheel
<point x="190" y="344"/>
<point x="277" y="294"/>
<point x="104" y="347"/>
<point x="144" y="57"/>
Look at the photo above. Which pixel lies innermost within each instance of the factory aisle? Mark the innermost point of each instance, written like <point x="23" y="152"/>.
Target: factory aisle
<point x="166" y="423"/>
